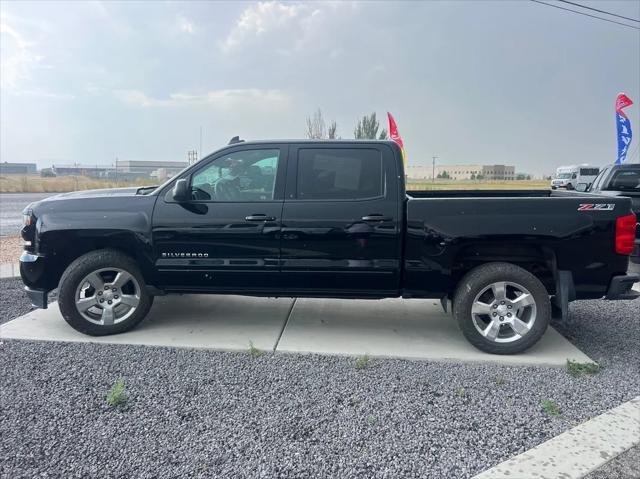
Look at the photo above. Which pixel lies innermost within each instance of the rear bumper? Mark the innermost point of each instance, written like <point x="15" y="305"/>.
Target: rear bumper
<point x="634" y="259"/>
<point x="621" y="287"/>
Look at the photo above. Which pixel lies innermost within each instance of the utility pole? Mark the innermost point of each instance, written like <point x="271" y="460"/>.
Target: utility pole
<point x="433" y="169"/>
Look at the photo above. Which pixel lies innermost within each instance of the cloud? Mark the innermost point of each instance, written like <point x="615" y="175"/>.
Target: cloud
<point x="17" y="59"/>
<point x="222" y="99"/>
<point x="300" y="22"/>
<point x="185" y="25"/>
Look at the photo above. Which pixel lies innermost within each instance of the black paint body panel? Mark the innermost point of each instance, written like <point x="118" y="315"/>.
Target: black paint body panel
<point x="421" y="247"/>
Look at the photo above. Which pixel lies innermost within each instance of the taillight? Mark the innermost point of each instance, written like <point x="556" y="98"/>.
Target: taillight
<point x="625" y="234"/>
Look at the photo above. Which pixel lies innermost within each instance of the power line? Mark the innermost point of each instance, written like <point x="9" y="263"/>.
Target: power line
<point x="586" y="14"/>
<point x="601" y="11"/>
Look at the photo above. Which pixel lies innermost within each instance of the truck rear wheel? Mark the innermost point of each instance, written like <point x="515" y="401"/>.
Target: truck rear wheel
<point x="501" y="308"/>
<point x="103" y="292"/>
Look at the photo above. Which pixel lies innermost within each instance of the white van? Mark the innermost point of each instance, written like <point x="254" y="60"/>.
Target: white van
<point x="569" y="176"/>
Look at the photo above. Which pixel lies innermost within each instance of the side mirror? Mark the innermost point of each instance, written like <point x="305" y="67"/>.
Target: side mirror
<point x="582" y="187"/>
<point x="181" y="191"/>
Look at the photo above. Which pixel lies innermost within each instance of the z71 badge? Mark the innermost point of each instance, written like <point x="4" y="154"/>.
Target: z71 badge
<point x="596" y="206"/>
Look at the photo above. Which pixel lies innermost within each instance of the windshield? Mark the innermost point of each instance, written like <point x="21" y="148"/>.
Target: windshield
<point x="625" y="180"/>
<point x="563" y="176"/>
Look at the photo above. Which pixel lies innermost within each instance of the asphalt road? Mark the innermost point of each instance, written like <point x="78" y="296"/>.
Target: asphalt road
<point x="11" y="206"/>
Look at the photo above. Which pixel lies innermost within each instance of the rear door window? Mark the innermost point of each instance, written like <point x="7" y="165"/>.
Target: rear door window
<point x="339" y="174"/>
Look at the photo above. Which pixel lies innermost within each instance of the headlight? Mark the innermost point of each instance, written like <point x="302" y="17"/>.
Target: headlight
<point x="27" y="220"/>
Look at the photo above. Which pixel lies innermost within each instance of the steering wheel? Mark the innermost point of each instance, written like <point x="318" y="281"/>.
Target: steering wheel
<point x="226" y="191"/>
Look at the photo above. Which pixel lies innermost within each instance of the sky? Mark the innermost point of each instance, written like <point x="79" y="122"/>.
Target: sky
<point x="506" y="82"/>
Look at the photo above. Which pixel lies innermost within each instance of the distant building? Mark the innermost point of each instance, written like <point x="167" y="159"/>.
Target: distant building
<point x="93" y="171"/>
<point x="463" y="172"/>
<point x="128" y="170"/>
<point x="148" y="169"/>
<point x="7" y="168"/>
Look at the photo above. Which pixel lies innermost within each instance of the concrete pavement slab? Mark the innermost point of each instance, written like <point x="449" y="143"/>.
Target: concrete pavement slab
<point x="9" y="270"/>
<point x="415" y="329"/>
<point x="405" y="328"/>
<point x="193" y="321"/>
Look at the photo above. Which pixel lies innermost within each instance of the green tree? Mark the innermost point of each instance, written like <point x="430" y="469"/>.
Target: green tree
<point x="367" y="128"/>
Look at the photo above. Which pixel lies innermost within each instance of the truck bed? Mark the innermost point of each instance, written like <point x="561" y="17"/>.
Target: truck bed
<point x="567" y="231"/>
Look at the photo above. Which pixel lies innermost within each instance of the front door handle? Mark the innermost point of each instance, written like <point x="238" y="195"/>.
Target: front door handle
<point x="259" y="217"/>
<point x="376" y="217"/>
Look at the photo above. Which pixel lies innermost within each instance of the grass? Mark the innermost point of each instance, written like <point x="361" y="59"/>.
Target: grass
<point x="254" y="352"/>
<point x="461" y="392"/>
<point x="62" y="184"/>
<point x="499" y="380"/>
<point x="550" y="407"/>
<point x="576" y="369"/>
<point x="362" y="362"/>
<point x="477" y="185"/>
<point x="116" y="395"/>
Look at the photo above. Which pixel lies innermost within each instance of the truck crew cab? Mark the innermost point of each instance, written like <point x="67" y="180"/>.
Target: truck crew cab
<point x="327" y="219"/>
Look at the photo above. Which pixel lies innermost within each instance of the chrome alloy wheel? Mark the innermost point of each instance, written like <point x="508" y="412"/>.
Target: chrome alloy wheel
<point x="107" y="296"/>
<point x="504" y="312"/>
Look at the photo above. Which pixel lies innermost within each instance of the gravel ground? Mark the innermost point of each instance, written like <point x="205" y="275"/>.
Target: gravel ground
<point x="10" y="249"/>
<point x="625" y="466"/>
<point x="194" y="413"/>
<point x="14" y="301"/>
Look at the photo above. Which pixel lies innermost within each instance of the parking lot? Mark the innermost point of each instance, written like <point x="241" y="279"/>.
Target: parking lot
<point x="251" y="412"/>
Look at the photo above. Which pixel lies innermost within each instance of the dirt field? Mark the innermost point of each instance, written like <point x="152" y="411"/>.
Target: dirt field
<point x="477" y="185"/>
<point x="10" y="249"/>
<point x="62" y="184"/>
<point x="37" y="184"/>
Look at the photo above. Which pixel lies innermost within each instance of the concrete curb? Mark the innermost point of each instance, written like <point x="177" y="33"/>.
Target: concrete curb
<point x="578" y="451"/>
<point x="9" y="270"/>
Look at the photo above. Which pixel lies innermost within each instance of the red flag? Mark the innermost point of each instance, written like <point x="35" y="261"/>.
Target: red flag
<point x="622" y="101"/>
<point x="395" y="135"/>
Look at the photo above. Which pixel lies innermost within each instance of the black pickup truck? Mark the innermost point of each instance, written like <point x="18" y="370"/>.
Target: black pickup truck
<point x="327" y="219"/>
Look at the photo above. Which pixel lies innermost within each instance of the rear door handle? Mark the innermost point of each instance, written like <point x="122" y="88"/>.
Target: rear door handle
<point x="376" y="217"/>
<point x="259" y="217"/>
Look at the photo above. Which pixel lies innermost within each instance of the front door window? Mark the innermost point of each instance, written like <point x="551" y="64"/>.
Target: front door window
<point x="241" y="176"/>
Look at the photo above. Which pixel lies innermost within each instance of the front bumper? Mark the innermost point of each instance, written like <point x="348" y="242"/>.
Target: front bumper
<point x="38" y="297"/>
<point x="32" y="274"/>
<point x="621" y="287"/>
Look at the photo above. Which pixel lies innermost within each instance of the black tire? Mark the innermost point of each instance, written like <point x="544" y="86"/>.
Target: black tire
<point x="569" y="186"/>
<point x="85" y="265"/>
<point x="475" y="281"/>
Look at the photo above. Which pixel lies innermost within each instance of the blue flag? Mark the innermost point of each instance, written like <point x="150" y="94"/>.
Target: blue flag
<point x="624" y="127"/>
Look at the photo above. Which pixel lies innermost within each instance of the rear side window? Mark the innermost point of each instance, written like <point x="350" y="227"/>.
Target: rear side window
<point x="339" y="173"/>
<point x="625" y="180"/>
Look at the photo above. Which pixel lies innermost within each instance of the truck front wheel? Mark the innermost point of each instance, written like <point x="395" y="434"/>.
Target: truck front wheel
<point x="103" y="292"/>
<point x="501" y="308"/>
